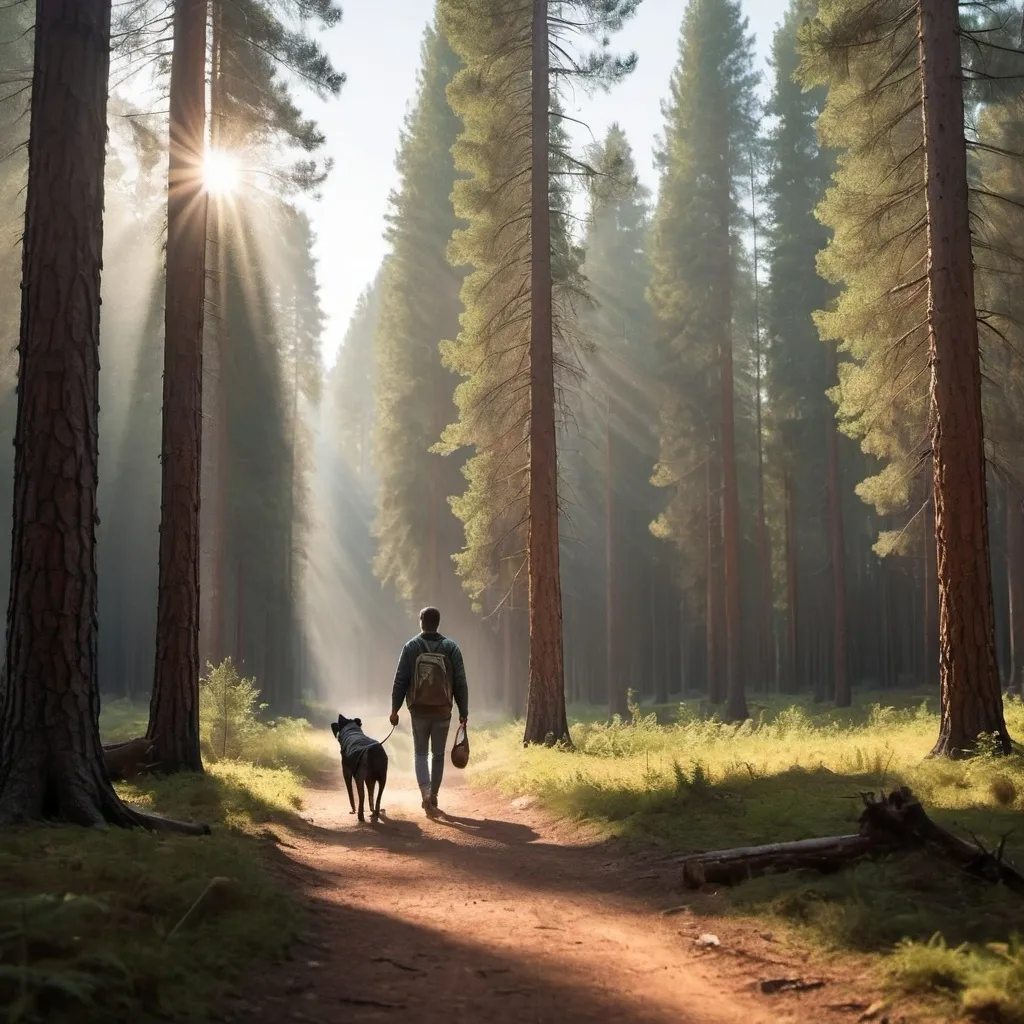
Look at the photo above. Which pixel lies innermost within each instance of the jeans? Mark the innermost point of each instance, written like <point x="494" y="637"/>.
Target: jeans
<point x="432" y="732"/>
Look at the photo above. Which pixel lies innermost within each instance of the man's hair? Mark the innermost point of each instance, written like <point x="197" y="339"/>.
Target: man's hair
<point x="430" y="619"/>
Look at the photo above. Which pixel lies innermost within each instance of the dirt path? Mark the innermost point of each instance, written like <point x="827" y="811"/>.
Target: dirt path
<point x="498" y="913"/>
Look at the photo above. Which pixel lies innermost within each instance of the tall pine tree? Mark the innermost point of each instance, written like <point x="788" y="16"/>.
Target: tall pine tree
<point x="417" y="534"/>
<point x="710" y="124"/>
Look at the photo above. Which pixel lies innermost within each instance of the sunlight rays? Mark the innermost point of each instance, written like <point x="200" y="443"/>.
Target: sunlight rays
<point x="222" y="173"/>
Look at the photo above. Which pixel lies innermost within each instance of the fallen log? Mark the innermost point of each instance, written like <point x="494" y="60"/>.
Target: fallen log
<point x="730" y="867"/>
<point x="889" y="823"/>
<point x="129" y="759"/>
<point x="901" y="816"/>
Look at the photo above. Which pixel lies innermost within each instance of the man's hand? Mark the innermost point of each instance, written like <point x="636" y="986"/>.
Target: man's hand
<point x="394" y="718"/>
<point x="462" y="721"/>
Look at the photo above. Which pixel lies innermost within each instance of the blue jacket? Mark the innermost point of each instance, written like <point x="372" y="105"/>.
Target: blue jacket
<point x="403" y="676"/>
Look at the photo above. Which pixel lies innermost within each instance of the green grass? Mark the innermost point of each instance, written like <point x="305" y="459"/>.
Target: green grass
<point x="85" y="916"/>
<point x="796" y="772"/>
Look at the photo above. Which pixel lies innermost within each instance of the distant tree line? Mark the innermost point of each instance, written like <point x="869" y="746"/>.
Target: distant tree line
<point x="743" y="363"/>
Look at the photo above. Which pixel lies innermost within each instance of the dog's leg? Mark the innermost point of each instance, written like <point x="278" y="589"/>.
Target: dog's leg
<point x="362" y="794"/>
<point x="347" y="772"/>
<point x="380" y="788"/>
<point x="369" y="796"/>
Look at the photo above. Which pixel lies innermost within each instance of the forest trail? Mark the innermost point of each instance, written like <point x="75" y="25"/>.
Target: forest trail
<point x="500" y="913"/>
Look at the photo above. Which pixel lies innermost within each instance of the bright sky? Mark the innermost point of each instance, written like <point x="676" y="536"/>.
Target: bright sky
<point x="377" y="46"/>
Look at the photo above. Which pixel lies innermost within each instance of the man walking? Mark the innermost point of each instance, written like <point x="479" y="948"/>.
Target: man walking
<point x="431" y="677"/>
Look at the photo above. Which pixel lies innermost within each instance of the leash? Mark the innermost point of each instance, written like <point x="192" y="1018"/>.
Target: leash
<point x="386" y="738"/>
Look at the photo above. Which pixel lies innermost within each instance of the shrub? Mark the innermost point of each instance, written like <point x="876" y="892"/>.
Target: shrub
<point x="229" y="711"/>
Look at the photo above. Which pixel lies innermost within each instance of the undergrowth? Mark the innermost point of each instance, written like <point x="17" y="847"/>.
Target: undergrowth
<point x="85" y="916"/>
<point x="796" y="771"/>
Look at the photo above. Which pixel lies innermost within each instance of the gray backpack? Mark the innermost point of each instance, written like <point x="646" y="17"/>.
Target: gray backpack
<point x="431" y="689"/>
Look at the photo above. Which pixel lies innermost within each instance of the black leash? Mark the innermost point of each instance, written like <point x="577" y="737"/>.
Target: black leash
<point x="386" y="738"/>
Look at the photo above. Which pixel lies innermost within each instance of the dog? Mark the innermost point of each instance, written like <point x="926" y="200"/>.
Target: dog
<point x="363" y="759"/>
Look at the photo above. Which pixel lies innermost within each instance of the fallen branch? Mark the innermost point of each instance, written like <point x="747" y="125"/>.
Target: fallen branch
<point x="129" y="759"/>
<point x="901" y="816"/>
<point x="889" y="823"/>
<point x="730" y="867"/>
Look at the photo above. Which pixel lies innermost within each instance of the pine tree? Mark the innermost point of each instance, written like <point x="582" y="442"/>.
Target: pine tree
<point x="51" y="761"/>
<point x="971" y="701"/>
<point x="800" y="368"/>
<point x="174" y="704"/>
<point x="355" y="379"/>
<point x="617" y="446"/>
<point x="710" y="122"/>
<point x="516" y="297"/>
<point x="885" y="254"/>
<point x="16" y="57"/>
<point x="998" y="233"/>
<point x="417" y="535"/>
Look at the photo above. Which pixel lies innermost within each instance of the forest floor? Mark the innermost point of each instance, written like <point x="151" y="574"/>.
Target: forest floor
<point x="501" y="912"/>
<point x="543" y="894"/>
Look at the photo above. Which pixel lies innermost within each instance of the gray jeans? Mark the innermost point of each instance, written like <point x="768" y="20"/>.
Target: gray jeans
<point x="432" y="732"/>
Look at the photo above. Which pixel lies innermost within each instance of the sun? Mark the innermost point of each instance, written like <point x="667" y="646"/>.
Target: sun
<point x="221" y="172"/>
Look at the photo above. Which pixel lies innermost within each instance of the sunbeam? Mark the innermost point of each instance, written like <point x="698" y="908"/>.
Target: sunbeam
<point x="222" y="173"/>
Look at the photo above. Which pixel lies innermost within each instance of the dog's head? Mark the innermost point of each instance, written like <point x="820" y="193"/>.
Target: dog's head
<point x="342" y="721"/>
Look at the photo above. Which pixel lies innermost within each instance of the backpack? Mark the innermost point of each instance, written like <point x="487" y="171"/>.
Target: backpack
<point x="431" y="688"/>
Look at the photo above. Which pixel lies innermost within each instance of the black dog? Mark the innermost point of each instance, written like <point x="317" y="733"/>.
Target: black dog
<point x="362" y="758"/>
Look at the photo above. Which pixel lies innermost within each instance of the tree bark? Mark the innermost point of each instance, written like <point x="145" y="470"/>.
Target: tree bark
<point x="213" y="483"/>
<point x="711" y="621"/>
<point x="792" y="587"/>
<point x="736" y="701"/>
<point x="972" y="703"/>
<point x="174" y="706"/>
<point x="616" y="689"/>
<point x="545" y="708"/>
<point x="51" y="759"/>
<point x="764" y="569"/>
<point x="1015" y="587"/>
<point x="837" y="550"/>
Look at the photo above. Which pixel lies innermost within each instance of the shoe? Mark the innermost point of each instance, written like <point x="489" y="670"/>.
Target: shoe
<point x="430" y="806"/>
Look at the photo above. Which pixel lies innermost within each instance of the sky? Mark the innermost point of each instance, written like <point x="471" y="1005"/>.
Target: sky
<point x="377" y="45"/>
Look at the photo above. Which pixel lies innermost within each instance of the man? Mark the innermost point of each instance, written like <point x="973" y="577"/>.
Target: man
<point x="431" y="677"/>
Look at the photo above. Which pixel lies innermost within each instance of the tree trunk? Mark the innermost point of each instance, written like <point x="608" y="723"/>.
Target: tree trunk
<point x="616" y="689"/>
<point x="764" y="569"/>
<point x="969" y="677"/>
<point x="174" y="706"/>
<point x="545" y="710"/>
<point x="213" y="485"/>
<point x="288" y="697"/>
<point x="736" y="707"/>
<point x="792" y="587"/>
<point x="508" y="697"/>
<point x="837" y="550"/>
<point x="1015" y="588"/>
<point x="712" y="622"/>
<point x="667" y="641"/>
<point x="51" y="760"/>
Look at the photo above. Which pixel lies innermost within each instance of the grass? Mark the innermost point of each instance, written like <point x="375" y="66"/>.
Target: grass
<point x="85" y="916"/>
<point x="794" y="772"/>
